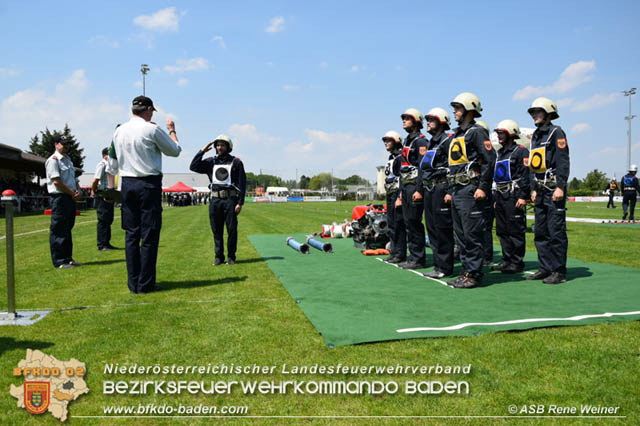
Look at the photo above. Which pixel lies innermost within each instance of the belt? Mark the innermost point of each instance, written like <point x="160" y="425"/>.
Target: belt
<point x="549" y="184"/>
<point x="225" y="193"/>
<point x="430" y="184"/>
<point x="462" y="179"/>
<point x="409" y="177"/>
<point x="505" y="187"/>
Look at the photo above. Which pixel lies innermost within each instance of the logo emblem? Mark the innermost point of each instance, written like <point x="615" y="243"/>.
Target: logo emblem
<point x="525" y="161"/>
<point x="488" y="146"/>
<point x="458" y="152"/>
<point x="422" y="150"/>
<point x="36" y="396"/>
<point x="562" y="143"/>
<point x="537" y="161"/>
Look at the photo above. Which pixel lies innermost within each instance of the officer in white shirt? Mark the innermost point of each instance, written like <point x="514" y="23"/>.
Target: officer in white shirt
<point x="139" y="145"/>
<point x="104" y="207"/>
<point x="64" y="192"/>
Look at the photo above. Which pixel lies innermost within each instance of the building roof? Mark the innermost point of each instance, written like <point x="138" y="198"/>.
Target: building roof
<point x="15" y="159"/>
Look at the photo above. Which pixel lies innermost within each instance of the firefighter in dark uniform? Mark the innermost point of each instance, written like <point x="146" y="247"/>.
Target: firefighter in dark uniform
<point x="393" y="144"/>
<point x="414" y="148"/>
<point x="489" y="214"/>
<point x="610" y="190"/>
<point x="228" y="186"/>
<point x="629" y="185"/>
<point x="511" y="177"/>
<point x="437" y="210"/>
<point x="471" y="163"/>
<point x="549" y="162"/>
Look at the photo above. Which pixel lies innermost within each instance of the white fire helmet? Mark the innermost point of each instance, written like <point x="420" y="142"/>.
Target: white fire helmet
<point x="509" y="126"/>
<point x="545" y="104"/>
<point x="224" y="138"/>
<point x="415" y="114"/>
<point x="441" y="115"/>
<point x="392" y="134"/>
<point x="470" y="102"/>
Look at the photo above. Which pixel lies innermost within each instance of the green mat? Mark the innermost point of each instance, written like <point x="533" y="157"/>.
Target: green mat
<point x="350" y="298"/>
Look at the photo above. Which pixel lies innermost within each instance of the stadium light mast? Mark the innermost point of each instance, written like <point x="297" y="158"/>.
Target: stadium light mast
<point x="630" y="117"/>
<point x="144" y="69"/>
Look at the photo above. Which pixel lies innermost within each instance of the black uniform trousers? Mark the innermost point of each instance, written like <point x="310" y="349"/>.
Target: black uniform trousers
<point x="221" y="212"/>
<point x="141" y="220"/>
<point x="412" y="215"/>
<point x="63" y="217"/>
<point x="629" y="203"/>
<point x="437" y="217"/>
<point x="610" y="203"/>
<point x="488" y="228"/>
<point x="104" y="211"/>
<point x="551" y="232"/>
<point x="469" y="217"/>
<point x="398" y="235"/>
<point x="511" y="226"/>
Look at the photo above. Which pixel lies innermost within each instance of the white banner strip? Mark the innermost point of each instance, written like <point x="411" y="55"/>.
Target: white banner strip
<point x="520" y="321"/>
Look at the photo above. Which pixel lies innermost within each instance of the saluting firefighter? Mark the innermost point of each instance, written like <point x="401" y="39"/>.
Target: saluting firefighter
<point x="410" y="198"/>
<point x="437" y="210"/>
<point x="393" y="144"/>
<point x="630" y="188"/>
<point x="549" y="162"/>
<point x="228" y="186"/>
<point x="471" y="163"/>
<point x="511" y="177"/>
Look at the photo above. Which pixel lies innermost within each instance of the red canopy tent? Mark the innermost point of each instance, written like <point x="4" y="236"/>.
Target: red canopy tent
<point x="179" y="187"/>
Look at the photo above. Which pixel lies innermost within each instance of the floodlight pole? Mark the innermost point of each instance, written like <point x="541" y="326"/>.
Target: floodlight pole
<point x="630" y="117"/>
<point x="144" y="69"/>
<point x="9" y="199"/>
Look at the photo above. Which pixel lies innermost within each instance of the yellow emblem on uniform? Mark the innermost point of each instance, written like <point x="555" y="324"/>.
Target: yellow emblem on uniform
<point x="537" y="160"/>
<point x="458" y="152"/>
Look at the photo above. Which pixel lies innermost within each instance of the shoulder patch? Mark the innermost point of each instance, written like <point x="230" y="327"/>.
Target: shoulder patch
<point x="423" y="150"/>
<point x="488" y="146"/>
<point x="525" y="161"/>
<point x="562" y="143"/>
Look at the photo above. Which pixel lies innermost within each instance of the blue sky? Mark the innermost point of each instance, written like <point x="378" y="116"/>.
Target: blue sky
<point x="313" y="86"/>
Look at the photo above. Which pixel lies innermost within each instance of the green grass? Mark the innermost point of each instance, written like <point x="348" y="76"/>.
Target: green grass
<point x="242" y="315"/>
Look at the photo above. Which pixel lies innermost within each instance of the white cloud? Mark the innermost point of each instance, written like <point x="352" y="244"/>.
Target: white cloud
<point x="596" y="101"/>
<point x="8" y="72"/>
<point x="324" y="64"/>
<point x="355" y="68"/>
<point x="183" y="82"/>
<point x="92" y="119"/>
<point x="581" y="128"/>
<point x="163" y="20"/>
<point x="220" y="41"/>
<point x="137" y="84"/>
<point x="276" y="25"/>
<point x="184" y="65"/>
<point x="298" y="147"/>
<point x="249" y="133"/>
<point x="356" y="160"/>
<point x="103" y="41"/>
<point x="573" y="76"/>
<point x="341" y="141"/>
<point x="565" y="102"/>
<point x="290" y="88"/>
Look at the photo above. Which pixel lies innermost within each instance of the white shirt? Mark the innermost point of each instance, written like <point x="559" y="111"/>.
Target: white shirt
<point x="101" y="175"/>
<point x="60" y="166"/>
<point x="139" y="146"/>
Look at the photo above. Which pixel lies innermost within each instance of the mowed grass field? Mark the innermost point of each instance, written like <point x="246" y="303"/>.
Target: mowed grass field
<point x="242" y="315"/>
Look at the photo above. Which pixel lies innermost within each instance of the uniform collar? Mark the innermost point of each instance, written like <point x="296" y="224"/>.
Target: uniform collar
<point x="511" y="148"/>
<point x="468" y="126"/>
<point x="545" y="128"/>
<point x="58" y="156"/>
